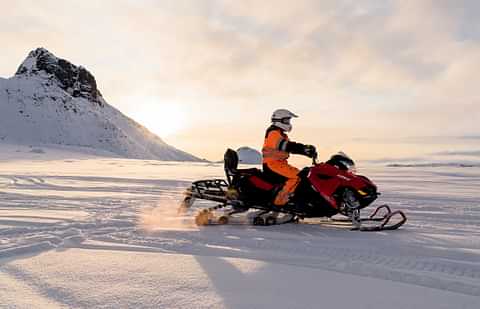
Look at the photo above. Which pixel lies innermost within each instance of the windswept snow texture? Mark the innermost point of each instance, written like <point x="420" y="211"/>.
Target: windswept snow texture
<point x="51" y="101"/>
<point x="91" y="232"/>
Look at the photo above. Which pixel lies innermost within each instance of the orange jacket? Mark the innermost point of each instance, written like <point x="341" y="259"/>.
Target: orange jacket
<point x="275" y="146"/>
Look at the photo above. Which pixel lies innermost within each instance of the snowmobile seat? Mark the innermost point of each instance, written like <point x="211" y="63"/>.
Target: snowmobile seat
<point x="260" y="183"/>
<point x="230" y="160"/>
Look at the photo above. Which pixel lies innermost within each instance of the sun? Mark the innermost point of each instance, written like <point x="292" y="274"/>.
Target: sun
<point x="163" y="119"/>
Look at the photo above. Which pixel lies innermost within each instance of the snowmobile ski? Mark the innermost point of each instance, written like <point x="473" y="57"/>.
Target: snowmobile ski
<point x="382" y="221"/>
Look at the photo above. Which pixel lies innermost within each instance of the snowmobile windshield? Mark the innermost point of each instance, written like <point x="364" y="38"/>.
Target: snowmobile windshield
<point x="350" y="165"/>
<point x="347" y="162"/>
<point x="343" y="162"/>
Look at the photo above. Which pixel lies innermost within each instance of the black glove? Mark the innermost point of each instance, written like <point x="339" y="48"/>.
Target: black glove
<point x="310" y="151"/>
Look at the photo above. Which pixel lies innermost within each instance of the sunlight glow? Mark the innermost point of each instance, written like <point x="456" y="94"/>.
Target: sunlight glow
<point x="163" y="119"/>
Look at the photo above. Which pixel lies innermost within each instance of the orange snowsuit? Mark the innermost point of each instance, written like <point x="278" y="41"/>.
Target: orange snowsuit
<point x="275" y="157"/>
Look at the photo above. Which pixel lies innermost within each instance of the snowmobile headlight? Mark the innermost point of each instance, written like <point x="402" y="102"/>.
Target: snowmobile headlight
<point x="349" y="165"/>
<point x="362" y="192"/>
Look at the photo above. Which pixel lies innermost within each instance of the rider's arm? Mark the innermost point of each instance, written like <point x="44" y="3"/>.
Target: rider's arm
<point x="295" y="148"/>
<point x="301" y="149"/>
<point x="279" y="142"/>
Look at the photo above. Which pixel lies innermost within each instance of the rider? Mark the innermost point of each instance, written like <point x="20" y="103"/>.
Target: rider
<point x="276" y="150"/>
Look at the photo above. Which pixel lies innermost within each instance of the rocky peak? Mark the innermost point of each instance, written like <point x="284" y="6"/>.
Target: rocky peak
<point x="75" y="80"/>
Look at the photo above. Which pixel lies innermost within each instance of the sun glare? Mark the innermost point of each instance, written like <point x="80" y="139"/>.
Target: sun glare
<point x="161" y="118"/>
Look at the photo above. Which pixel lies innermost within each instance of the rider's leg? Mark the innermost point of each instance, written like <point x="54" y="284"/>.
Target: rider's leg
<point x="289" y="172"/>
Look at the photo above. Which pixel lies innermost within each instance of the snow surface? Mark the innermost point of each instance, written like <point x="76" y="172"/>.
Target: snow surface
<point x="36" y="110"/>
<point x="79" y="231"/>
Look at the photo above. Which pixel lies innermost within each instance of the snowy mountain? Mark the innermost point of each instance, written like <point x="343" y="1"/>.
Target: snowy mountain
<point x="51" y="101"/>
<point x="247" y="155"/>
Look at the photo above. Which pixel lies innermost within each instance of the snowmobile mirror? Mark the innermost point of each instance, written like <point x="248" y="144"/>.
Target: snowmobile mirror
<point x="315" y="159"/>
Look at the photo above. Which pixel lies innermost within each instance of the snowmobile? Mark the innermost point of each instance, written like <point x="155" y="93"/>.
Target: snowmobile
<point x="325" y="190"/>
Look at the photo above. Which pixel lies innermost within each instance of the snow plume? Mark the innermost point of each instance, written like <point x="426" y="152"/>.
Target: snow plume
<point x="165" y="216"/>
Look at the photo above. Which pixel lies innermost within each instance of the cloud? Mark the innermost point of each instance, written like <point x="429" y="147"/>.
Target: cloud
<point x="267" y="44"/>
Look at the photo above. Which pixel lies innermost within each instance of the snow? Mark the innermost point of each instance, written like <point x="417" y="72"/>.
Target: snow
<point x="82" y="231"/>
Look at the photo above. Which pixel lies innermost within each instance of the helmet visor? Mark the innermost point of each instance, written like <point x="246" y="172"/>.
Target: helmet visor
<point x="282" y="120"/>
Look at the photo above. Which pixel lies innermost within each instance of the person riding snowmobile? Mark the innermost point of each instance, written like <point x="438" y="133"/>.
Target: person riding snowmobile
<point x="276" y="151"/>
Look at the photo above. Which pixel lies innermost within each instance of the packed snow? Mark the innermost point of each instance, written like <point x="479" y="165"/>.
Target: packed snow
<point x="82" y="231"/>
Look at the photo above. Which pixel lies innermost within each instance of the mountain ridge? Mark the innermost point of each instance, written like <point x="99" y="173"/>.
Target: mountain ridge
<point x="52" y="101"/>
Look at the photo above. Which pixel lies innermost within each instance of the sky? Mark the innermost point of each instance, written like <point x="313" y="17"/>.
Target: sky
<point x="373" y="78"/>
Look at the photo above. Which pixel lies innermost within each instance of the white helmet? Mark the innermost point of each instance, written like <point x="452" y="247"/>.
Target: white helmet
<point x="281" y="118"/>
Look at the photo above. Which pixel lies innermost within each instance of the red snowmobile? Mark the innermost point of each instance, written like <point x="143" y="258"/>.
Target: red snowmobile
<point x="325" y="190"/>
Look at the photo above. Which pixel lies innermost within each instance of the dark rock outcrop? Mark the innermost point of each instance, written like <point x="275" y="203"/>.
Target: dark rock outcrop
<point x="75" y="80"/>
